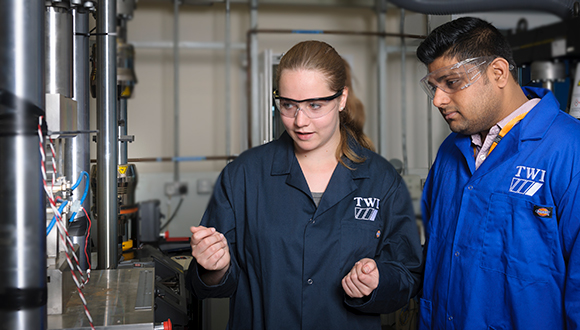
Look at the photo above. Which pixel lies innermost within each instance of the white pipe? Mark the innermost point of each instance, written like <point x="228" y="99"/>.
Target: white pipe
<point x="429" y="116"/>
<point x="404" y="94"/>
<point x="382" y="78"/>
<point x="187" y="45"/>
<point x="255" y="101"/>
<point x="176" y="88"/>
<point x="228" y="81"/>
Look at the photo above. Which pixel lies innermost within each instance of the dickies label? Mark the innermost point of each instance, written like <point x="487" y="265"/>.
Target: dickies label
<point x="543" y="212"/>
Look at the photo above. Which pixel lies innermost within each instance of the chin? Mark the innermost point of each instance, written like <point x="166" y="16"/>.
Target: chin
<point x="304" y="146"/>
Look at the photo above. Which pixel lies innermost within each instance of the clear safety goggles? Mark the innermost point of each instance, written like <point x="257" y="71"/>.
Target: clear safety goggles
<point x="456" y="77"/>
<point x="313" y="108"/>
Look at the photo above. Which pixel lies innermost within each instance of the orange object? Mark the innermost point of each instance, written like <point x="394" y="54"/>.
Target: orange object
<point x="128" y="211"/>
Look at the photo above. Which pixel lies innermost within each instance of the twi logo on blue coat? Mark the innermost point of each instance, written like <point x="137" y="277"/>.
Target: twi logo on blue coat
<point x="530" y="184"/>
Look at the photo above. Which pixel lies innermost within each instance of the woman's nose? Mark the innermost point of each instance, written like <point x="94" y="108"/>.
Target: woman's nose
<point x="300" y="118"/>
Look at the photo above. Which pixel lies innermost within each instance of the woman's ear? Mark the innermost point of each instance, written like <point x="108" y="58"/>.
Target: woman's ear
<point x="343" y="98"/>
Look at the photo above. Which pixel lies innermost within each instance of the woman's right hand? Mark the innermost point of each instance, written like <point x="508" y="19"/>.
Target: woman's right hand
<point x="210" y="249"/>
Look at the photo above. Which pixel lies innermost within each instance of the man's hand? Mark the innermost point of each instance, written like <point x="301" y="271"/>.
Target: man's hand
<point x="362" y="279"/>
<point x="210" y="250"/>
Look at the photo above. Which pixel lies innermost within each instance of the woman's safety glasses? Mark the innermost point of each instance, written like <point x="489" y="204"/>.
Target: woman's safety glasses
<point x="313" y="108"/>
<point x="456" y="77"/>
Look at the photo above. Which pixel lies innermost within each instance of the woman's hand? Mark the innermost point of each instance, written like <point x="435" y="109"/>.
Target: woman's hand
<point x="362" y="279"/>
<point x="210" y="249"/>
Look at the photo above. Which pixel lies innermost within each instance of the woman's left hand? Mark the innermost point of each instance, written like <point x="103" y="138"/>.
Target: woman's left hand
<point x="362" y="279"/>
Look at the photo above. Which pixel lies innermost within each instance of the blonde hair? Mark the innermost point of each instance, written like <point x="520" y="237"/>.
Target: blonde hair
<point x="321" y="57"/>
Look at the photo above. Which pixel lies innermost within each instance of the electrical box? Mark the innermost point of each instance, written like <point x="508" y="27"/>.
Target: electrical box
<point x="176" y="189"/>
<point x="149" y="221"/>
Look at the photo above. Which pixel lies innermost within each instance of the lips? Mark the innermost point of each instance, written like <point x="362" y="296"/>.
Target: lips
<point x="304" y="135"/>
<point x="448" y="115"/>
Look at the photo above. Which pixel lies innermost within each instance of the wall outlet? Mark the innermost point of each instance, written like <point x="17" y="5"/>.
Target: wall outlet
<point x="204" y="186"/>
<point x="176" y="189"/>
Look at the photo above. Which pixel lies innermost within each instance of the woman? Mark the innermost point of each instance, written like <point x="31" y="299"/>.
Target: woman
<point x="313" y="230"/>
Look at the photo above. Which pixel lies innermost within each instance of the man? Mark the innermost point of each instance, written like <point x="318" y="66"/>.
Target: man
<point x="501" y="204"/>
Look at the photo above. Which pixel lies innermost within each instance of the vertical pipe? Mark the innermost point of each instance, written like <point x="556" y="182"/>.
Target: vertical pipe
<point x="59" y="54"/>
<point x="107" y="205"/>
<point x="77" y="149"/>
<point x="176" y="89"/>
<point x="228" y="82"/>
<point x="22" y="201"/>
<point x="381" y="8"/>
<point x="404" y="93"/>
<point x="122" y="152"/>
<point x="429" y="116"/>
<point x="58" y="63"/>
<point x="255" y="128"/>
<point x="122" y="110"/>
<point x="548" y="84"/>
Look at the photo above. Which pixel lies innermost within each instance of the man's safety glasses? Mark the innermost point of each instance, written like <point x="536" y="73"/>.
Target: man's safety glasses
<point x="456" y="77"/>
<point x="313" y="108"/>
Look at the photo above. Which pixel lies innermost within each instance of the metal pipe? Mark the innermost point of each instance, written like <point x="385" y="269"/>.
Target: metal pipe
<point x="404" y="94"/>
<point x="122" y="131"/>
<point x="254" y="110"/>
<point x="429" y="116"/>
<point x="381" y="8"/>
<point x="228" y="79"/>
<point x="561" y="8"/>
<point x="59" y="54"/>
<point x="188" y="45"/>
<point x="107" y="205"/>
<point x="122" y="104"/>
<point x="77" y="149"/>
<point x="23" y="222"/>
<point x="177" y="159"/>
<point x="176" y="88"/>
<point x="380" y="33"/>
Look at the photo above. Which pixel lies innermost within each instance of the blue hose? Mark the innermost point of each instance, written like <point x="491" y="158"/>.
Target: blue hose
<point x="83" y="173"/>
<point x="53" y="221"/>
<point x="61" y="207"/>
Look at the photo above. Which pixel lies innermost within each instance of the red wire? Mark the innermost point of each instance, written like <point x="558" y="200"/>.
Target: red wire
<point x="87" y="237"/>
<point x="63" y="226"/>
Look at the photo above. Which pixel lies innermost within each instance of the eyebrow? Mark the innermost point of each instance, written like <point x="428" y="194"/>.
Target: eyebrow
<point x="446" y="76"/>
<point x="316" y="99"/>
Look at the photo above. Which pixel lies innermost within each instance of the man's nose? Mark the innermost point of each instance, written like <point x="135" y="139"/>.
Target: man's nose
<point x="440" y="98"/>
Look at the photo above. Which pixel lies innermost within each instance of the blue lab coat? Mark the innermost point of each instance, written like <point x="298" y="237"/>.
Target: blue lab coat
<point x="502" y="241"/>
<point x="289" y="257"/>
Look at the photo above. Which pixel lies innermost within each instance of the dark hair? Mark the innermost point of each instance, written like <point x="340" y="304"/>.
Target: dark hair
<point x="464" y="38"/>
<point x="321" y="57"/>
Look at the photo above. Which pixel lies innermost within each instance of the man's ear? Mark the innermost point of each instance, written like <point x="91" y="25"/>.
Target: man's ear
<point x="500" y="71"/>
